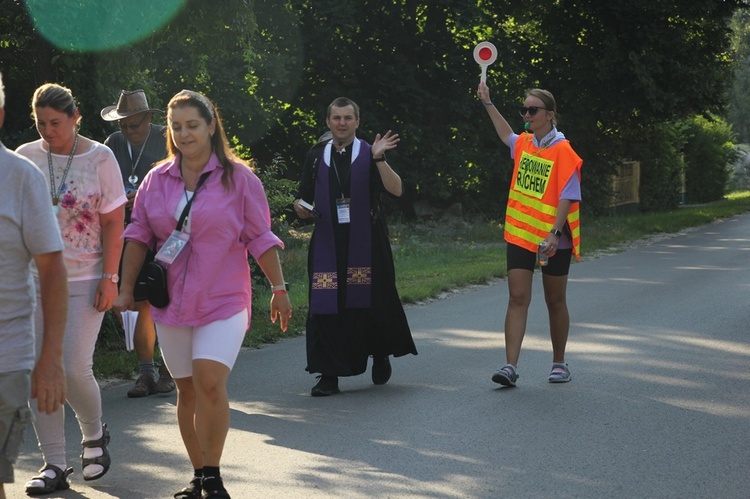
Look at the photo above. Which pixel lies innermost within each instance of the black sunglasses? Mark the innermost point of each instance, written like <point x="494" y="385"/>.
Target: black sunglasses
<point x="132" y="128"/>
<point x="531" y="110"/>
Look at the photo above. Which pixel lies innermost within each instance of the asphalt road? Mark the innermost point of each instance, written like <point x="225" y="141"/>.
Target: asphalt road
<point x="659" y="405"/>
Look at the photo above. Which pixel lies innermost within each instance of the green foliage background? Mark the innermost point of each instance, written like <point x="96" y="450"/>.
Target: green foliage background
<point x="623" y="74"/>
<point x="709" y="152"/>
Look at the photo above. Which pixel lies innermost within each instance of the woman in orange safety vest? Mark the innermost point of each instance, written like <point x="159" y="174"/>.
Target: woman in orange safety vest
<point x="545" y="192"/>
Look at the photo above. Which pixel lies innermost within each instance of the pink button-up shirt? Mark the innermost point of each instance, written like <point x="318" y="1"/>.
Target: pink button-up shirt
<point x="210" y="279"/>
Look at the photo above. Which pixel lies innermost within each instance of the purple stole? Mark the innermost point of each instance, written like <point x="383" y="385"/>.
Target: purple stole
<point x="325" y="281"/>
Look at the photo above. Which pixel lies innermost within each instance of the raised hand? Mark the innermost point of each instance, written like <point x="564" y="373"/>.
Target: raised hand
<point x="384" y="143"/>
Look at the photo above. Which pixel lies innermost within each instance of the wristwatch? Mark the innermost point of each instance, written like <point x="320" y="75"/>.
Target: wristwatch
<point x="112" y="277"/>
<point x="557" y="233"/>
<point x="280" y="287"/>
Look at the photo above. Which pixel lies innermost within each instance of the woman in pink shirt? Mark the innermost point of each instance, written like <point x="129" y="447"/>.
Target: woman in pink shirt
<point x="201" y="329"/>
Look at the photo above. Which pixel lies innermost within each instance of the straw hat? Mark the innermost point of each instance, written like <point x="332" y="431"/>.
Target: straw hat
<point x="130" y="103"/>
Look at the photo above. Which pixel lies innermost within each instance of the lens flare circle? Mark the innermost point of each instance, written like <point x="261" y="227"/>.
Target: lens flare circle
<point x="95" y="26"/>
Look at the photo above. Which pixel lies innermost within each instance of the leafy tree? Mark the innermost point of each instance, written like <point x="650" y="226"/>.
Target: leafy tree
<point x="204" y="47"/>
<point x="619" y="70"/>
<point x="739" y="177"/>
<point x="709" y="154"/>
<point x="661" y="165"/>
<point x="624" y="70"/>
<point x="738" y="111"/>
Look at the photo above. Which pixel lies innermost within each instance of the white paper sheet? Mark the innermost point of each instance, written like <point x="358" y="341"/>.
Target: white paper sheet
<point x="129" y="318"/>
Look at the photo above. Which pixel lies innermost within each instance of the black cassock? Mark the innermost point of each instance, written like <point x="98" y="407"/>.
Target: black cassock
<point x="339" y="344"/>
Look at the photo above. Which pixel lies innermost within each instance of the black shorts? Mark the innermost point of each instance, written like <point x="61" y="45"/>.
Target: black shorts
<point x="520" y="258"/>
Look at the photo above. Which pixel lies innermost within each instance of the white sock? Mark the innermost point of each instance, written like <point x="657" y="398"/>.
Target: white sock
<point x="90" y="453"/>
<point x="48" y="473"/>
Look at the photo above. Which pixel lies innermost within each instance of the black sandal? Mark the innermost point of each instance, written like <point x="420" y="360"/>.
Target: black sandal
<point x="192" y="491"/>
<point x="104" y="460"/>
<point x="60" y="482"/>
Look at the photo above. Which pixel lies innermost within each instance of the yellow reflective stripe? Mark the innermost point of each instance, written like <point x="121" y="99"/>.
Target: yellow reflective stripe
<point x="532" y="203"/>
<point x="573" y="216"/>
<point x="527" y="219"/>
<point x="523" y="234"/>
<point x="519" y="225"/>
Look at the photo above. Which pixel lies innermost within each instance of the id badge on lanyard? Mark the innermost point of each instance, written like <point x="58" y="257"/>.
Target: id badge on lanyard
<point x="173" y="247"/>
<point x="342" y="210"/>
<point x="181" y="235"/>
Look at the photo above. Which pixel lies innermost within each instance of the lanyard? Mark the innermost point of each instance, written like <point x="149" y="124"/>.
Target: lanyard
<point x="57" y="191"/>
<point x="133" y="178"/>
<point x="336" y="171"/>
<point x="186" y="209"/>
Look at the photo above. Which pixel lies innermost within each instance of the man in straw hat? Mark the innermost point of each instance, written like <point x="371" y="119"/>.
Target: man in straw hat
<point x="137" y="146"/>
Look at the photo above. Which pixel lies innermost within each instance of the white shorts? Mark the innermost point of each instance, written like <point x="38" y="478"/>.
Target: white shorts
<point x="219" y="341"/>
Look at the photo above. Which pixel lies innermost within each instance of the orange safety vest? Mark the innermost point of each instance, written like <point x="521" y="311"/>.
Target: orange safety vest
<point x="539" y="176"/>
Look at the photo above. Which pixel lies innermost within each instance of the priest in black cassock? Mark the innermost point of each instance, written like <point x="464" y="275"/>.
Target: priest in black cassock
<point x="355" y="311"/>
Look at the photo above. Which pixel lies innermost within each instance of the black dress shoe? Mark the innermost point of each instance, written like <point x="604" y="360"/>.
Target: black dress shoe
<point x="381" y="370"/>
<point x="328" y="385"/>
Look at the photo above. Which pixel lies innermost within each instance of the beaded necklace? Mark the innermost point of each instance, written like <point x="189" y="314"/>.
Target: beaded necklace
<point x="55" y="191"/>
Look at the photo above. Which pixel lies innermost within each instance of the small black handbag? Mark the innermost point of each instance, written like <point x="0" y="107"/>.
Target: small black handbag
<point x="140" y="291"/>
<point x="155" y="276"/>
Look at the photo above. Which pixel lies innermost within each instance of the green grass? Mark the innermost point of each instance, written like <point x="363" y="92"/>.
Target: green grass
<point x="431" y="257"/>
<point x="605" y="232"/>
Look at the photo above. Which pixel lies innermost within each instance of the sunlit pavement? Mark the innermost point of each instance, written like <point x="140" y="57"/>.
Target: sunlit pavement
<point x="659" y="404"/>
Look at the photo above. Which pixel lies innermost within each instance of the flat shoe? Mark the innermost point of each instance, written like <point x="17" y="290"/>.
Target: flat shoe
<point x="328" y="385"/>
<point x="381" y="370"/>
<point x="165" y="383"/>
<point x="144" y="386"/>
